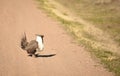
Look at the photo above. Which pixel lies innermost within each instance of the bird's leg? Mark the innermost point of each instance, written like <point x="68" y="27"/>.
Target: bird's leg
<point x="35" y="55"/>
<point x="30" y="55"/>
<point x="37" y="51"/>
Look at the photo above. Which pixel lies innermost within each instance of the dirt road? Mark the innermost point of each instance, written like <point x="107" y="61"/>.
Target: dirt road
<point x="17" y="16"/>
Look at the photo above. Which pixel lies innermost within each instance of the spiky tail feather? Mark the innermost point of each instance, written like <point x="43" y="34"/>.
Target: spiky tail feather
<point x="24" y="41"/>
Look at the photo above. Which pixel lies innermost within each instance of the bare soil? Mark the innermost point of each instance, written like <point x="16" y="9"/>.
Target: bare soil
<point x="19" y="16"/>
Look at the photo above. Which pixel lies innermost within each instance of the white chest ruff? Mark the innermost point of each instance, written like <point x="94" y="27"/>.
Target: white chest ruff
<point x="40" y="42"/>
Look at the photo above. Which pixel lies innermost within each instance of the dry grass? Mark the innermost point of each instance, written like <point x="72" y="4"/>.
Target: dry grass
<point x="102" y="13"/>
<point x="99" y="42"/>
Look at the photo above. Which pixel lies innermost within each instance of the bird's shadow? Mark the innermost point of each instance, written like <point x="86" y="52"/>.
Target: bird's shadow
<point x="49" y="55"/>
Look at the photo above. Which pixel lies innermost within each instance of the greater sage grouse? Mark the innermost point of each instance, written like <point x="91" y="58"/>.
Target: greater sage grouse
<point x="32" y="46"/>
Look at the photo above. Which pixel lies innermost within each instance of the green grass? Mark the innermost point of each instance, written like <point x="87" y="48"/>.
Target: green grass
<point x="97" y="41"/>
<point x="109" y="59"/>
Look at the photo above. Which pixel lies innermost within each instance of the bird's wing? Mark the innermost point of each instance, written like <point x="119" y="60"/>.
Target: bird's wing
<point x="32" y="45"/>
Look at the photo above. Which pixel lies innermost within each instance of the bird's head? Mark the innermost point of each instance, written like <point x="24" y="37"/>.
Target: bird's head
<point x="39" y="35"/>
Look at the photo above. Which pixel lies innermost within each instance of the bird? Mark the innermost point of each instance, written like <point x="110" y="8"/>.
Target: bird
<point x="32" y="46"/>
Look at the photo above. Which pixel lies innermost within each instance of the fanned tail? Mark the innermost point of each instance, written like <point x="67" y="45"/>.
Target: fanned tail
<point x="24" y="41"/>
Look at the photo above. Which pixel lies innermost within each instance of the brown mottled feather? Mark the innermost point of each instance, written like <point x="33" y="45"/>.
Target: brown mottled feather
<point x="30" y="47"/>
